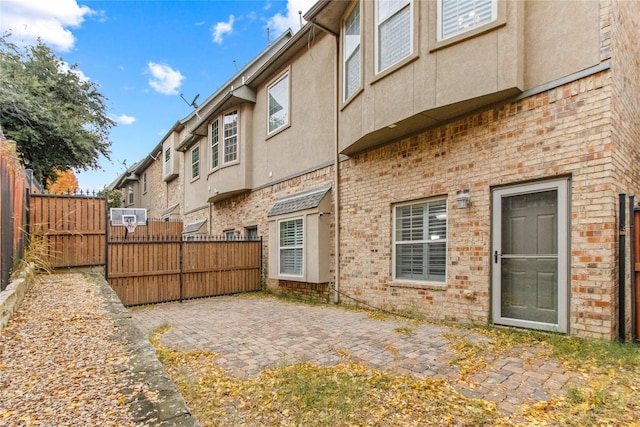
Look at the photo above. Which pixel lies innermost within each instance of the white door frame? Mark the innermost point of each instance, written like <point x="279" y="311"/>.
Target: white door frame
<point x="562" y="188"/>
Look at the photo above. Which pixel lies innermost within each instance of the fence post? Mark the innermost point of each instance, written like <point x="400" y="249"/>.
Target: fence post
<point x="106" y="236"/>
<point x="262" y="275"/>
<point x="632" y="264"/>
<point x="181" y="267"/>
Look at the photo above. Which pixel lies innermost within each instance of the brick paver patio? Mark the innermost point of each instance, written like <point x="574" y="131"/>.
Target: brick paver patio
<point x="253" y="334"/>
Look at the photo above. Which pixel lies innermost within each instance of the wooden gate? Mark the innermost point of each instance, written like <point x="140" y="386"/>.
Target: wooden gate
<point x="146" y="271"/>
<point x="71" y="228"/>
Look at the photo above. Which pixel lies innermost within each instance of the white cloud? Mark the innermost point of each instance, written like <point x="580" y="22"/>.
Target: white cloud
<point x="123" y="119"/>
<point x="279" y="23"/>
<point x="222" y="28"/>
<point x="164" y="79"/>
<point x="28" y="20"/>
<point x="64" y="68"/>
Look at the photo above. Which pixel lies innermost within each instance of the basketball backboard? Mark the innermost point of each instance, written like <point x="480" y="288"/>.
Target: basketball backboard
<point x="121" y="217"/>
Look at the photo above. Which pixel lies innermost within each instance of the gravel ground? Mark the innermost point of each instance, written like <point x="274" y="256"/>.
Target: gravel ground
<point x="63" y="360"/>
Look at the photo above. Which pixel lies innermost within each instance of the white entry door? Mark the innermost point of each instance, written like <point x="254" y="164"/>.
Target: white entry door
<point x="529" y="256"/>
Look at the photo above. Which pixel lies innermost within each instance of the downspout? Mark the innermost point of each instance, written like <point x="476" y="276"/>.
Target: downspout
<point x="336" y="179"/>
<point x="336" y="166"/>
<point x="622" y="262"/>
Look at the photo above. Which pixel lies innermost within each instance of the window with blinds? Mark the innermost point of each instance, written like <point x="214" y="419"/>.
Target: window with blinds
<point x="394" y="29"/>
<point x="291" y="247"/>
<point x="420" y="241"/>
<point x="351" y="53"/>
<point x="230" y="129"/>
<point x="459" y="16"/>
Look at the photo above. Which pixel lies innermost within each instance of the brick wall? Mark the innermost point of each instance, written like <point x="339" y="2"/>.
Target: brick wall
<point x="155" y="199"/>
<point x="251" y="210"/>
<point x="562" y="132"/>
<point x="624" y="24"/>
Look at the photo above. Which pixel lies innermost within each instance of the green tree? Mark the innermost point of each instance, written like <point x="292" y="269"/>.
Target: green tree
<point x="114" y="197"/>
<point x="57" y="118"/>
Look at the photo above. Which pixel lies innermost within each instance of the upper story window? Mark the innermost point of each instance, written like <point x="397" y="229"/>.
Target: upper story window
<point x="420" y="241"/>
<point x="195" y="162"/>
<point x="167" y="162"/>
<point x="278" y="108"/>
<point x="144" y="183"/>
<point x="230" y="138"/>
<point x="459" y="16"/>
<point x="351" y="57"/>
<point x="130" y="195"/>
<point x="394" y="32"/>
<point x="215" y="145"/>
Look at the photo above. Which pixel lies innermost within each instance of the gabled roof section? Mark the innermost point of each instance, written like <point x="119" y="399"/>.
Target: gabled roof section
<point x="298" y="202"/>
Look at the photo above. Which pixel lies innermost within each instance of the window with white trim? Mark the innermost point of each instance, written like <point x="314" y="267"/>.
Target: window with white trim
<point x="130" y="195"/>
<point x="167" y="162"/>
<point x="278" y="108"/>
<point x="230" y="137"/>
<point x="420" y="241"/>
<point x="459" y="16"/>
<point x="195" y="162"/>
<point x="215" y="145"/>
<point x="144" y="183"/>
<point x="291" y="247"/>
<point x="394" y="32"/>
<point x="351" y="57"/>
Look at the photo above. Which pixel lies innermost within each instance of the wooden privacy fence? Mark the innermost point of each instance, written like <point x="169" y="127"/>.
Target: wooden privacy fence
<point x="146" y="271"/>
<point x="13" y="196"/>
<point x="72" y="228"/>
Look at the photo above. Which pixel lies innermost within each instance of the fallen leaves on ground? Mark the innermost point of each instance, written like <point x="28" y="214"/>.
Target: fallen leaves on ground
<point x="58" y="365"/>
<point x="347" y="394"/>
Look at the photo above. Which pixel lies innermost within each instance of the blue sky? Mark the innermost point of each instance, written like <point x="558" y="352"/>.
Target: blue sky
<point x="145" y="53"/>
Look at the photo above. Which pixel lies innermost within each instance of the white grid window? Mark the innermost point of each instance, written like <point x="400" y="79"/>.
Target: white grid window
<point x="167" y="161"/>
<point x="291" y="247"/>
<point x="459" y="16"/>
<point x="230" y="129"/>
<point x="195" y="162"/>
<point x="420" y="241"/>
<point x="351" y="53"/>
<point x="278" y="94"/>
<point x="394" y="32"/>
<point x="215" y="145"/>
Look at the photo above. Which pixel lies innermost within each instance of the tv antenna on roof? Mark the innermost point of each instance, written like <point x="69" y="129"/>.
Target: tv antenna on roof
<point x="192" y="103"/>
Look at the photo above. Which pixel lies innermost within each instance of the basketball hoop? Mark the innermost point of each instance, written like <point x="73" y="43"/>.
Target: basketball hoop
<point x="131" y="227"/>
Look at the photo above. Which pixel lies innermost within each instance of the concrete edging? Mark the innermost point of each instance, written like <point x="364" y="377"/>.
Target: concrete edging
<point x="162" y="405"/>
<point x="13" y="295"/>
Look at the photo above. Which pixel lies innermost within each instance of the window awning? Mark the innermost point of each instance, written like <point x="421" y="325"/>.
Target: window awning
<point x="298" y="202"/>
<point x="169" y="210"/>
<point x="194" y="227"/>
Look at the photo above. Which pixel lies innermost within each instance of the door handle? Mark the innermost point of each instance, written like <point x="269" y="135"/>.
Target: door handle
<point x="495" y="256"/>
